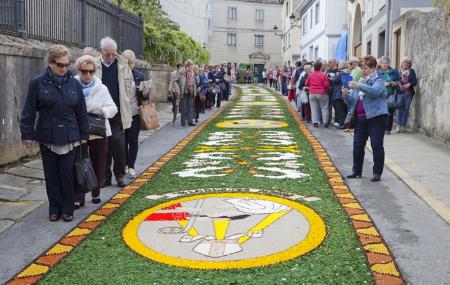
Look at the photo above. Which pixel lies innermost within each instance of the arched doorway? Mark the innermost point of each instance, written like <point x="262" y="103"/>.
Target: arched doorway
<point x="357" y="32"/>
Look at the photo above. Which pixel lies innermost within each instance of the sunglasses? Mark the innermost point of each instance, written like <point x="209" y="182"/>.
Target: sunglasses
<point x="86" y="71"/>
<point x="61" y="65"/>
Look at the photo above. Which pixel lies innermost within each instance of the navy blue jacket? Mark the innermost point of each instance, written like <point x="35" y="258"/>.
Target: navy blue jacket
<point x="412" y="80"/>
<point x="138" y="77"/>
<point x="62" y="111"/>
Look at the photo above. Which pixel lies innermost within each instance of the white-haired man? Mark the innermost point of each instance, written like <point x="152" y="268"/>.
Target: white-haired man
<point x="116" y="75"/>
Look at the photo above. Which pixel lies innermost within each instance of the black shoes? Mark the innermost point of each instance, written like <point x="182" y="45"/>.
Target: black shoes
<point x="53" y="218"/>
<point x="121" y="182"/>
<point x="375" y="178"/>
<point x="354" y="175"/>
<point x="78" y="205"/>
<point x="96" y="200"/>
<point x="192" y="125"/>
<point x="67" y="217"/>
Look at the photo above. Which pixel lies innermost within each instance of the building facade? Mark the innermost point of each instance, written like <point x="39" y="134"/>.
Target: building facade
<point x="322" y="24"/>
<point x="190" y="15"/>
<point x="373" y="28"/>
<point x="290" y="33"/>
<point x="242" y="32"/>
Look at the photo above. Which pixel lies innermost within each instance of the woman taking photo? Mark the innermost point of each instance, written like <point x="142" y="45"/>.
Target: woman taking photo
<point x="98" y="102"/>
<point x="368" y="99"/>
<point x="61" y="127"/>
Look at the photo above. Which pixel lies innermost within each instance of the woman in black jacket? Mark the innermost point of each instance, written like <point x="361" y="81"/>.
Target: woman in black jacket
<point x="61" y="127"/>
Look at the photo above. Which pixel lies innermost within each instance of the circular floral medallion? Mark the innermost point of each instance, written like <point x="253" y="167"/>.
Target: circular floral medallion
<point x="249" y="123"/>
<point x="225" y="231"/>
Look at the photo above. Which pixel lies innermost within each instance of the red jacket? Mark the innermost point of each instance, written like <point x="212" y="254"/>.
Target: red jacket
<point x="317" y="83"/>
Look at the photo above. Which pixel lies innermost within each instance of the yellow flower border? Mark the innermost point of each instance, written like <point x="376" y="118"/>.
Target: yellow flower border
<point x="229" y="124"/>
<point x="313" y="240"/>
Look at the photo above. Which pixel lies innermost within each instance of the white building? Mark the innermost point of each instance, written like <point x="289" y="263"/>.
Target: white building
<point x="241" y="31"/>
<point x="190" y="15"/>
<point x="290" y="48"/>
<point x="322" y="22"/>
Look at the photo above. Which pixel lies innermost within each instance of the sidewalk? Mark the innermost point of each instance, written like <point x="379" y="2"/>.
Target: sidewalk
<point x="22" y="187"/>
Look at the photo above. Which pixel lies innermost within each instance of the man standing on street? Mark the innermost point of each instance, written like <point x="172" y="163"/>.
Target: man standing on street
<point x="116" y="75"/>
<point x="186" y="82"/>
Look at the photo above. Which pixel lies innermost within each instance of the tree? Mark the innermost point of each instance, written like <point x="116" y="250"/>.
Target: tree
<point x="164" y="43"/>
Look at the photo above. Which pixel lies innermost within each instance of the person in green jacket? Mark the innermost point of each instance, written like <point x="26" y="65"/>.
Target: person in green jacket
<point x="354" y="68"/>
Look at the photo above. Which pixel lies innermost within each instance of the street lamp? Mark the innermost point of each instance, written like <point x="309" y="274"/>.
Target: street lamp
<point x="277" y="32"/>
<point x="292" y="20"/>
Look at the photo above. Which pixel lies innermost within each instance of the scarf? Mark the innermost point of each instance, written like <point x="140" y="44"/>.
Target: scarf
<point x="189" y="79"/>
<point x="406" y="72"/>
<point x="87" y="87"/>
<point x="60" y="80"/>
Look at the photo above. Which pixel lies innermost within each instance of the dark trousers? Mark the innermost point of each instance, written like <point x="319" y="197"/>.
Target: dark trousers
<point x="270" y="82"/>
<point x="390" y="120"/>
<point x="306" y="112"/>
<point x="98" y="149"/>
<point x="198" y="106"/>
<point x="59" y="180"/>
<point x="210" y="100"/>
<point x="116" y="151"/>
<point x="365" y="128"/>
<point x="218" y="99"/>
<point x="340" y="110"/>
<point x="186" y="106"/>
<point x="227" y="91"/>
<point x="131" y="141"/>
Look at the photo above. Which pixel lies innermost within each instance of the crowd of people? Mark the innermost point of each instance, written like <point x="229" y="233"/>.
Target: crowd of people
<point x="365" y="94"/>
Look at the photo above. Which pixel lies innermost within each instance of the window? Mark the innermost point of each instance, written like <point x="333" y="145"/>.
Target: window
<point x="317" y="9"/>
<point x="381" y="43"/>
<point x="287" y="8"/>
<point x="259" y="40"/>
<point x="316" y="53"/>
<point x="369" y="47"/>
<point x="231" y="39"/>
<point x="232" y="13"/>
<point x="259" y="15"/>
<point x="311" y="50"/>
<point x="311" y="20"/>
<point x="304" y="21"/>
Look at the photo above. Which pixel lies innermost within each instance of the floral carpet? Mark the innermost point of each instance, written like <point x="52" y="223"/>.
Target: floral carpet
<point x="249" y="197"/>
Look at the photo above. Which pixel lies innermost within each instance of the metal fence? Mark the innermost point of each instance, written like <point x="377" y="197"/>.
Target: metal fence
<point x="72" y="22"/>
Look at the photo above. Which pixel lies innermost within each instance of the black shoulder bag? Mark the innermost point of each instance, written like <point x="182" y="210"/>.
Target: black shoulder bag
<point x="97" y="125"/>
<point x="85" y="178"/>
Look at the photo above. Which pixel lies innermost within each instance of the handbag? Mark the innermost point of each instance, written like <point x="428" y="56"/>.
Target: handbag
<point x="97" y="125"/>
<point x="148" y="116"/>
<point x="304" y="97"/>
<point x="85" y="178"/>
<point x="350" y="120"/>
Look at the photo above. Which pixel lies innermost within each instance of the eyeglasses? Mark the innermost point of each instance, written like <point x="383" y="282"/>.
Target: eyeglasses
<point x="86" y="71"/>
<point x="61" y="65"/>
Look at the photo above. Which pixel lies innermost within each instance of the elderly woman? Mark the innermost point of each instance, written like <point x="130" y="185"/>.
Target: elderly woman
<point x="61" y="127"/>
<point x="306" y="108"/>
<point x="318" y="83"/>
<point x="98" y="102"/>
<point x="408" y="82"/>
<point x="368" y="99"/>
<point x="136" y="98"/>
<point x="391" y="82"/>
<point x="339" y="105"/>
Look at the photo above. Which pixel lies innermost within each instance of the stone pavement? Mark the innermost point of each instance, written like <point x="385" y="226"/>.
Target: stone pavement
<point x="22" y="186"/>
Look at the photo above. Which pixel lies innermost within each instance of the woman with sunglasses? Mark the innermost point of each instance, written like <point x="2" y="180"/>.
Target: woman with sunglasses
<point x="99" y="102"/>
<point x="61" y="127"/>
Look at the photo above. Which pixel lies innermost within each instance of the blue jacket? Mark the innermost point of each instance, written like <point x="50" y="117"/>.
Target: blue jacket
<point x="374" y="98"/>
<point x="62" y="111"/>
<point x="138" y="77"/>
<point x="337" y="84"/>
<point x="395" y="77"/>
<point x="412" y="80"/>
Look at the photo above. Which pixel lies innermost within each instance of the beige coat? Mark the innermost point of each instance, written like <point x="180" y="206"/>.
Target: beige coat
<point x="182" y="83"/>
<point x="125" y="90"/>
<point x="173" y="85"/>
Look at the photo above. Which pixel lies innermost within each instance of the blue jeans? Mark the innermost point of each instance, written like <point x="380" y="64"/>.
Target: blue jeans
<point x="403" y="113"/>
<point x="365" y="128"/>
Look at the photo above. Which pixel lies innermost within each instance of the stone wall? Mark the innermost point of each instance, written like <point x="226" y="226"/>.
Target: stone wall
<point x="427" y="41"/>
<point x="20" y="61"/>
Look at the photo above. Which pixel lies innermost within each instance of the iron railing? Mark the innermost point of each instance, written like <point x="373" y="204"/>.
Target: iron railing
<point x="72" y="22"/>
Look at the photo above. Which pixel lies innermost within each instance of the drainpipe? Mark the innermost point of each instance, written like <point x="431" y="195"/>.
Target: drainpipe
<point x="388" y="29"/>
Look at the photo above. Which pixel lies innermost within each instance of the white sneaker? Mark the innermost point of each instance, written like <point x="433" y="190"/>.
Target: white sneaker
<point x="131" y="172"/>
